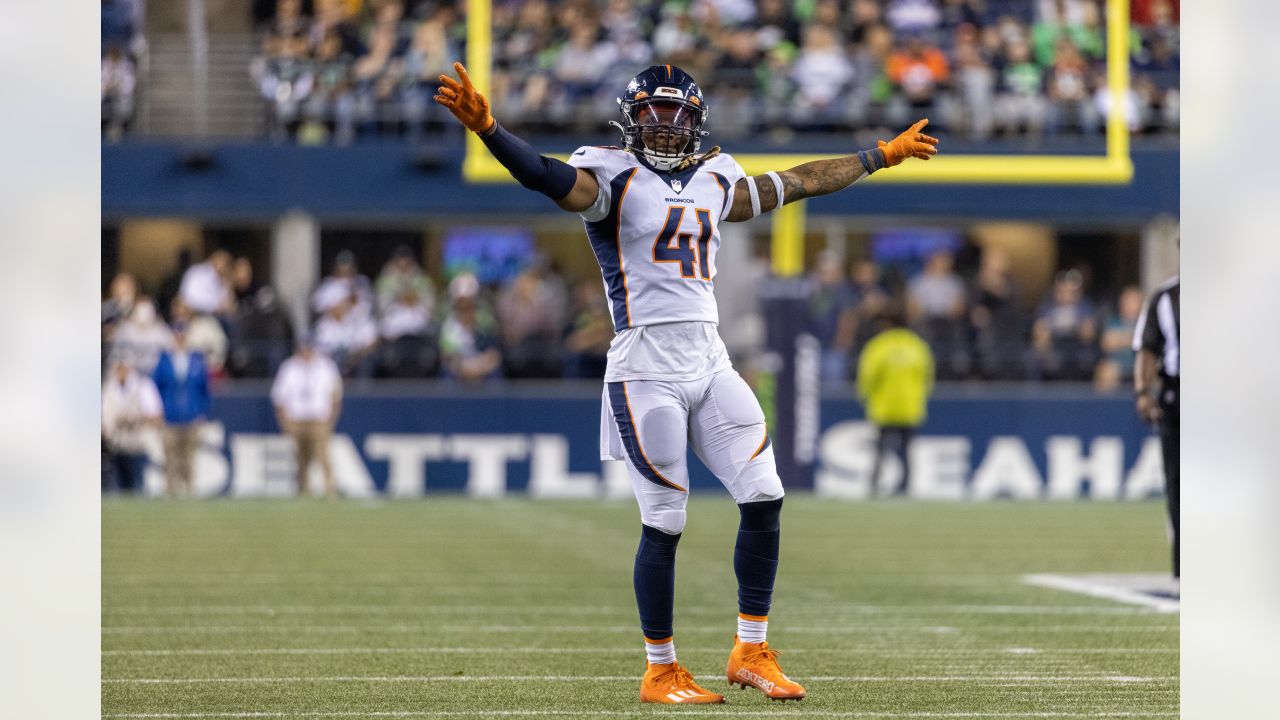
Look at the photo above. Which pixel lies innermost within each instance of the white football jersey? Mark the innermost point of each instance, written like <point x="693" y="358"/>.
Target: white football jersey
<point x="655" y="236"/>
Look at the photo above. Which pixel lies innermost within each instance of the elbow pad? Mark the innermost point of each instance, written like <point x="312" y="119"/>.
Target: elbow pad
<point x="548" y="176"/>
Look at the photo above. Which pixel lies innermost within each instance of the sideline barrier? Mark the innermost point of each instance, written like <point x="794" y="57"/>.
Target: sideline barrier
<point x="543" y="441"/>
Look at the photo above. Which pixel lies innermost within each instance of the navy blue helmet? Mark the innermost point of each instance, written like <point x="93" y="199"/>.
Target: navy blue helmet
<point x="663" y="113"/>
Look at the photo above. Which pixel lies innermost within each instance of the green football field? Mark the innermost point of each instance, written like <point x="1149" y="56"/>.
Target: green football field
<point x="448" y="607"/>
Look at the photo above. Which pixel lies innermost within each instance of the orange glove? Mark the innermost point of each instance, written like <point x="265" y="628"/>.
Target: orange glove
<point x="908" y="144"/>
<point x="464" y="101"/>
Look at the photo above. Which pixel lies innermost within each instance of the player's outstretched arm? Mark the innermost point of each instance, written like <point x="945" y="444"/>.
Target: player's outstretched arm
<point x="759" y="194"/>
<point x="573" y="189"/>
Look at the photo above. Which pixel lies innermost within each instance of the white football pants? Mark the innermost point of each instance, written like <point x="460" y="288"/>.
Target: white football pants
<point x="652" y="423"/>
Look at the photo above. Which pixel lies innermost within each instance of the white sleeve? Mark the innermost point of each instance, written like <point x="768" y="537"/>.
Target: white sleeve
<point x="591" y="158"/>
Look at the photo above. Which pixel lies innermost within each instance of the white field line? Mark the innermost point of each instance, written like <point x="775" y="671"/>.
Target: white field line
<point x="1099" y="590"/>
<point x="648" y="712"/>
<point x="808" y="610"/>
<point x="997" y="677"/>
<point x="942" y="652"/>
<point x="542" y="629"/>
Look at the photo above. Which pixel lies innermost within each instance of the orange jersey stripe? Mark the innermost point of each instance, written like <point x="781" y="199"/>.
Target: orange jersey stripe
<point x="659" y="642"/>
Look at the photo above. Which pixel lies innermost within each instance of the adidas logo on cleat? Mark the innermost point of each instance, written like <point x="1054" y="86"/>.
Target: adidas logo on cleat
<point x="682" y="695"/>
<point x="748" y="676"/>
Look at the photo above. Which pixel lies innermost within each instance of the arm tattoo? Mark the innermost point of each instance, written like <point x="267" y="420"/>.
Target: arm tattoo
<point x="811" y="179"/>
<point x="820" y="177"/>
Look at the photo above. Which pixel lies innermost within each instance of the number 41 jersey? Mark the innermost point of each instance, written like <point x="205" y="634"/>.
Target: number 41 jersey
<point x="655" y="235"/>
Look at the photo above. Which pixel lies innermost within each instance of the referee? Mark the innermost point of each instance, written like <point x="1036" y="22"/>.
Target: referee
<point x="1155" y="382"/>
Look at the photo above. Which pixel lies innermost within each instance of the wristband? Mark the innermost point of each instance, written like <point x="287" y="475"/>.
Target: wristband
<point x="872" y="160"/>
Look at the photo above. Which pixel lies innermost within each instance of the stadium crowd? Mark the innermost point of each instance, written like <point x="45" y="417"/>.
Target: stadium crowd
<point x="338" y="70"/>
<point x="403" y="323"/>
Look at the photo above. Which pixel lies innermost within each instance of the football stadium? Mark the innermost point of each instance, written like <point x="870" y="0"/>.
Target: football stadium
<point x="516" y="358"/>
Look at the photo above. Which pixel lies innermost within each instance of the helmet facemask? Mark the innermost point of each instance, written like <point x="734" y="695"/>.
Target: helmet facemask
<point x="664" y="131"/>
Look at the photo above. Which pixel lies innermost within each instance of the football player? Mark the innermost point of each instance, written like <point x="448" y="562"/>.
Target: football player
<point x="652" y="210"/>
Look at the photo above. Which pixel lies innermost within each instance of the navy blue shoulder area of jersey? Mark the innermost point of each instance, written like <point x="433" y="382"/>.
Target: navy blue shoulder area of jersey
<point x="605" y="243"/>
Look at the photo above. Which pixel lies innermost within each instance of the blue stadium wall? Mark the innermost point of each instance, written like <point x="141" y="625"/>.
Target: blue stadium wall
<point x="259" y="181"/>
<point x="543" y="440"/>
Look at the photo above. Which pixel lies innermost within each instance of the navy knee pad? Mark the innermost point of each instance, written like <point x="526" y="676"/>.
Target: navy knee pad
<point x="655" y="582"/>
<point x="755" y="555"/>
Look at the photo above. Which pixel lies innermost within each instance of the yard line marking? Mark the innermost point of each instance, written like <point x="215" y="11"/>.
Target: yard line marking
<point x="809" y="610"/>
<point x="542" y="629"/>
<point x="1101" y="590"/>
<point x="941" y="652"/>
<point x="1002" y="677"/>
<point x="634" y="713"/>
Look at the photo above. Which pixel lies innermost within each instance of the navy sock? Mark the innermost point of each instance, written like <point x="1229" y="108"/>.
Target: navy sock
<point x="755" y="556"/>
<point x="655" y="582"/>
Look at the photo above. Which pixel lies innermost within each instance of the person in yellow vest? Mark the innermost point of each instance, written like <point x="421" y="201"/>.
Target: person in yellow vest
<point x="895" y="379"/>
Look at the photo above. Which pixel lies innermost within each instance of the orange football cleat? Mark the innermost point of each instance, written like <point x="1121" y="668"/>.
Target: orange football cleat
<point x="672" y="684"/>
<point x="756" y="665"/>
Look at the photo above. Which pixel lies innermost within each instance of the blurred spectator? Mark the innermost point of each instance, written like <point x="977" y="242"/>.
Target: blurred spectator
<point x="131" y="410"/>
<point x="997" y="319"/>
<point x="206" y="287"/>
<point x="118" y="84"/>
<point x="344" y="280"/>
<point x="872" y="297"/>
<point x="823" y="73"/>
<point x="243" y="284"/>
<point x="919" y="70"/>
<point x="307" y="395"/>
<point x="204" y="334"/>
<point x="895" y="379"/>
<point x="833" y="316"/>
<point x="581" y="63"/>
<point x="1020" y="107"/>
<point x="348" y="337"/>
<point x="263" y="336"/>
<point x="775" y="24"/>
<point x="408" y="348"/>
<point x="183" y="383"/>
<point x="590" y="331"/>
<point x="937" y="293"/>
<point x="403" y="273"/>
<point x="1116" y="366"/>
<point x="975" y="81"/>
<point x="468" y="340"/>
<point x="531" y="317"/>
<point x="407" y="315"/>
<point x="1065" y="332"/>
<point x="121" y="296"/>
<point x="936" y="307"/>
<point x="141" y="338"/>
<point x="1068" y="83"/>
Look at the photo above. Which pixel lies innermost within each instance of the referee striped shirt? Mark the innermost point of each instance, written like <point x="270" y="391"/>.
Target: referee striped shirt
<point x="1157" y="329"/>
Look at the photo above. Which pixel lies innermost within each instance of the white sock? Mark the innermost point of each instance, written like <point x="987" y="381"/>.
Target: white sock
<point x="752" y="628"/>
<point x="660" y="652"/>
